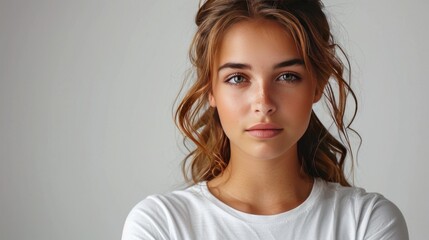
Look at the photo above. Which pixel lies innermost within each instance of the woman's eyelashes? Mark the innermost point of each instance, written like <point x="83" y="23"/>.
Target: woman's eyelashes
<point x="289" y="77"/>
<point x="285" y="77"/>
<point x="235" y="79"/>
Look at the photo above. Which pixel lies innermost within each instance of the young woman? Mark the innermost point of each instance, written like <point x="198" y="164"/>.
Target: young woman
<point x="263" y="165"/>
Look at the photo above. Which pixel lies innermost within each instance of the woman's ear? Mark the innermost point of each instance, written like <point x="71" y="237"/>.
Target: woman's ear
<point x="212" y="100"/>
<point x="318" y="93"/>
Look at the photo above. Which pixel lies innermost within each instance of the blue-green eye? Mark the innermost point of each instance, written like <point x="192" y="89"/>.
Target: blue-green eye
<point x="235" y="79"/>
<point x="289" y="77"/>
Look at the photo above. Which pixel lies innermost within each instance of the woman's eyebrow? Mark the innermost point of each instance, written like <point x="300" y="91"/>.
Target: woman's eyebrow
<point x="291" y="62"/>
<point x="234" y="66"/>
<point x="287" y="63"/>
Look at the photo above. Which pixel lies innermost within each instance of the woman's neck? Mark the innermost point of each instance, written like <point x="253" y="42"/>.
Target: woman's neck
<point x="262" y="187"/>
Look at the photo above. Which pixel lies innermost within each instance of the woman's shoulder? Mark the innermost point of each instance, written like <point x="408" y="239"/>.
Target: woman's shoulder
<point x="356" y="196"/>
<point x="148" y="217"/>
<point x="173" y="201"/>
<point x="374" y="214"/>
<point x="359" y="200"/>
<point x="337" y="191"/>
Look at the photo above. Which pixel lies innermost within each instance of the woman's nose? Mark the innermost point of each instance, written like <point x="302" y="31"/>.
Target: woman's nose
<point x="264" y="103"/>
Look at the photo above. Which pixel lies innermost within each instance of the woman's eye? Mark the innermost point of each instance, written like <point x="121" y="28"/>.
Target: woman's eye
<point x="236" y="79"/>
<point x="289" y="77"/>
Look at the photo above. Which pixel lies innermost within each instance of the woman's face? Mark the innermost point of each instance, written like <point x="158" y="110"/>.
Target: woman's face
<point x="262" y="90"/>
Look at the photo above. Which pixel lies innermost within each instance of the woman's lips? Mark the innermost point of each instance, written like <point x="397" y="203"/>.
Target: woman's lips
<point x="264" y="130"/>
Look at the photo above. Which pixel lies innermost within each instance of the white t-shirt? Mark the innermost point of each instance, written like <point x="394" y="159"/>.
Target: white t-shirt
<point x="330" y="212"/>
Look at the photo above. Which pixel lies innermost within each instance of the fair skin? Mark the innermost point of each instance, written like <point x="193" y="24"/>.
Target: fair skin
<point x="264" y="96"/>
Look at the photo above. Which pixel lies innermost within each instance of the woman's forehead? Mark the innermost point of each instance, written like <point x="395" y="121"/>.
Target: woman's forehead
<point x="256" y="41"/>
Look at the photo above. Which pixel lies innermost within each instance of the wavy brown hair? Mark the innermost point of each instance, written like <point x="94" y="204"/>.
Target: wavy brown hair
<point x="321" y="154"/>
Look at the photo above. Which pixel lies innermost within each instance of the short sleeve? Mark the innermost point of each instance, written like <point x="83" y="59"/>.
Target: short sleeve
<point x="386" y="222"/>
<point x="145" y="221"/>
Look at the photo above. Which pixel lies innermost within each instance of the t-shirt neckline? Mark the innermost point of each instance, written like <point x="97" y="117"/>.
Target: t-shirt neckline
<point x="266" y="219"/>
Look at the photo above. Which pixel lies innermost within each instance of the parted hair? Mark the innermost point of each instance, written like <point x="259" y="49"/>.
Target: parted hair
<point x="320" y="153"/>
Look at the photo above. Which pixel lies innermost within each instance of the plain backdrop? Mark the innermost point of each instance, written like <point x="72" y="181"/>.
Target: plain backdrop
<point x="87" y="89"/>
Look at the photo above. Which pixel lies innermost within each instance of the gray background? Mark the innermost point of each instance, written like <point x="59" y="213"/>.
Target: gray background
<point x="86" y="95"/>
